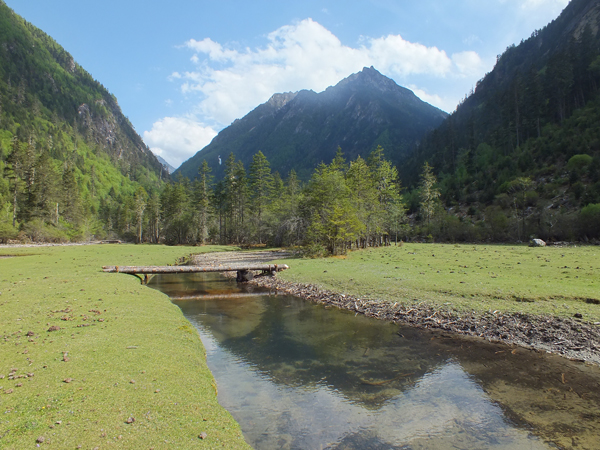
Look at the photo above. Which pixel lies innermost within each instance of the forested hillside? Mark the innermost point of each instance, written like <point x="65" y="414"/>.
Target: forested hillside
<point x="519" y="158"/>
<point x="522" y="152"/>
<point x="71" y="164"/>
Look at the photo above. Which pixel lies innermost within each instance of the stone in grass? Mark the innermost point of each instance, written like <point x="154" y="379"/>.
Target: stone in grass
<point x="54" y="328"/>
<point x="130" y="420"/>
<point x="537" y="243"/>
<point x="203" y="435"/>
<point x="40" y="440"/>
<point x="68" y="380"/>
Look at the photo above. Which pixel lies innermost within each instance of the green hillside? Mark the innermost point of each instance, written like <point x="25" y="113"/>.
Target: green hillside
<point x="70" y="161"/>
<point x="523" y="149"/>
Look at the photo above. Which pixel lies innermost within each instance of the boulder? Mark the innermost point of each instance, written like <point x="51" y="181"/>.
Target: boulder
<point x="537" y="243"/>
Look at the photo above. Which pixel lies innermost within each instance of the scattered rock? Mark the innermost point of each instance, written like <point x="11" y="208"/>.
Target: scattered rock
<point x="537" y="243"/>
<point x="203" y="435"/>
<point x="68" y="380"/>
<point x="40" y="440"/>
<point x="54" y="328"/>
<point x="8" y="391"/>
<point x="130" y="420"/>
<point x="30" y="333"/>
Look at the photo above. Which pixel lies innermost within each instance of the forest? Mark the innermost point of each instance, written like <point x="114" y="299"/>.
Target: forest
<point x="518" y="159"/>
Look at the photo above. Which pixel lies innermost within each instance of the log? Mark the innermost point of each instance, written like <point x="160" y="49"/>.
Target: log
<point x="193" y="269"/>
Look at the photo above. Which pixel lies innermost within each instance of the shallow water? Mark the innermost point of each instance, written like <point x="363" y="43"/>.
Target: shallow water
<point x="297" y="375"/>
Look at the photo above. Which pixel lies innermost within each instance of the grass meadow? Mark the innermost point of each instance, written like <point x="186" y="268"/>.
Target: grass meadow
<point x="125" y="369"/>
<point x="560" y="281"/>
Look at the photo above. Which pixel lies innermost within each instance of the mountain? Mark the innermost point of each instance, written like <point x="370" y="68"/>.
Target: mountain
<point x="166" y="165"/>
<point x="523" y="149"/>
<point x="69" y="158"/>
<point x="300" y="130"/>
<point x="521" y="118"/>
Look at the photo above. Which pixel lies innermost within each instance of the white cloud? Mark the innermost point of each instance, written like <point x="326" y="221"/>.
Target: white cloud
<point x="177" y="139"/>
<point x="535" y="4"/>
<point x="229" y="81"/>
<point x="445" y="104"/>
<point x="468" y="63"/>
<point x="306" y="55"/>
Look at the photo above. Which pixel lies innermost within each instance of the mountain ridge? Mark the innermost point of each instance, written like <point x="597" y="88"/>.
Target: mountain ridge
<point x="299" y="130"/>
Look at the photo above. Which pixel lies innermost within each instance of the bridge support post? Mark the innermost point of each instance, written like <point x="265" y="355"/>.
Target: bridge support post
<point x="244" y="276"/>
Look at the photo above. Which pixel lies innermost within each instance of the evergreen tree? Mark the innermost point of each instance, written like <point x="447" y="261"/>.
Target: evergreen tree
<point x="203" y="201"/>
<point x="140" y="201"/>
<point x="428" y="193"/>
<point x="261" y="188"/>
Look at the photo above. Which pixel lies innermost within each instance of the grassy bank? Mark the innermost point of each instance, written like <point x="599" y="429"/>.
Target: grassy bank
<point x="123" y="353"/>
<point x="549" y="280"/>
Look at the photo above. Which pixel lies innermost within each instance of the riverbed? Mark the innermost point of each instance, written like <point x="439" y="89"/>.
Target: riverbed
<point x="300" y="375"/>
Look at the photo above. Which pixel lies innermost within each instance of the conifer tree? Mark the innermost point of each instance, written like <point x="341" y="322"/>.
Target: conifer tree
<point x="428" y="193"/>
<point x="203" y="200"/>
<point x="261" y="188"/>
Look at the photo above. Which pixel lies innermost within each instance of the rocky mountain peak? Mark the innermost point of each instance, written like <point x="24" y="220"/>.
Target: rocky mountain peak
<point x="371" y="78"/>
<point x="280" y="100"/>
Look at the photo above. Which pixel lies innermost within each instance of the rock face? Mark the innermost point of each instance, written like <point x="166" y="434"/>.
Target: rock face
<point x="300" y="130"/>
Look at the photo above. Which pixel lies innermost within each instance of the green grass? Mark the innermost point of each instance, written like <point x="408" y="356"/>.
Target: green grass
<point x="129" y="353"/>
<point x="556" y="281"/>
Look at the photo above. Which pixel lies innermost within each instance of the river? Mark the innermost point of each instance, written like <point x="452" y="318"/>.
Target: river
<point x="297" y="375"/>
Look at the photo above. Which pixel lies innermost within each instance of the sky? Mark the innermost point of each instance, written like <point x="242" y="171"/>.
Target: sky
<point x="183" y="70"/>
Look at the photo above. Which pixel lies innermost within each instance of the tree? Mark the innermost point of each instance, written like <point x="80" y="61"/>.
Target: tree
<point x="428" y="193"/>
<point x="71" y="207"/>
<point x="329" y="210"/>
<point x="14" y="172"/>
<point x="519" y="187"/>
<point x="203" y="200"/>
<point x="140" y="201"/>
<point x="261" y="187"/>
<point x="154" y="217"/>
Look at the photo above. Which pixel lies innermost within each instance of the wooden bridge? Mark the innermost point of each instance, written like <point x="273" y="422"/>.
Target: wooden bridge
<point x="244" y="271"/>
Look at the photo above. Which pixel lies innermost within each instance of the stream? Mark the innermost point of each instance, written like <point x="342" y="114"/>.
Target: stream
<point x="298" y="375"/>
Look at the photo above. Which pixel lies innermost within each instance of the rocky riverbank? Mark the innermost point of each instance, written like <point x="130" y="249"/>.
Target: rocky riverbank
<point x="570" y="338"/>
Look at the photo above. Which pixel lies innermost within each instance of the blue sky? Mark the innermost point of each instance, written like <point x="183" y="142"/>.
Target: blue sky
<point x="183" y="70"/>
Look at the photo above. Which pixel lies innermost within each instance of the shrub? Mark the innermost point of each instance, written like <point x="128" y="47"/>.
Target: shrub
<point x="589" y="220"/>
<point x="39" y="231"/>
<point x="7" y="232"/>
<point x="578" y="162"/>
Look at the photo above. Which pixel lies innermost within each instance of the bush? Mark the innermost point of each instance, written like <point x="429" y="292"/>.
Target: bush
<point x="315" y="251"/>
<point x="39" y="231"/>
<point x="7" y="232"/>
<point x="578" y="162"/>
<point x="589" y="220"/>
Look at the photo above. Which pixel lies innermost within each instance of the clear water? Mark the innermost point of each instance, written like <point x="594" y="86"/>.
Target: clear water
<point x="296" y="375"/>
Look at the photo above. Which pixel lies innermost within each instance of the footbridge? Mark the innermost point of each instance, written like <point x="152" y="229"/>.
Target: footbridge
<point x="244" y="271"/>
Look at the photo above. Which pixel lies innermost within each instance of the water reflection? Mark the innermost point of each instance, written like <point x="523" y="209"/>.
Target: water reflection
<point x="299" y="375"/>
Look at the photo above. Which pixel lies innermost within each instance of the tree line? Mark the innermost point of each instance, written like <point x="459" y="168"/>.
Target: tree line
<point x="343" y="205"/>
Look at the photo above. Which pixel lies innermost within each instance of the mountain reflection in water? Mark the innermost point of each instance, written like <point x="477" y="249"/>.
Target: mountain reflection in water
<point x="301" y="376"/>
